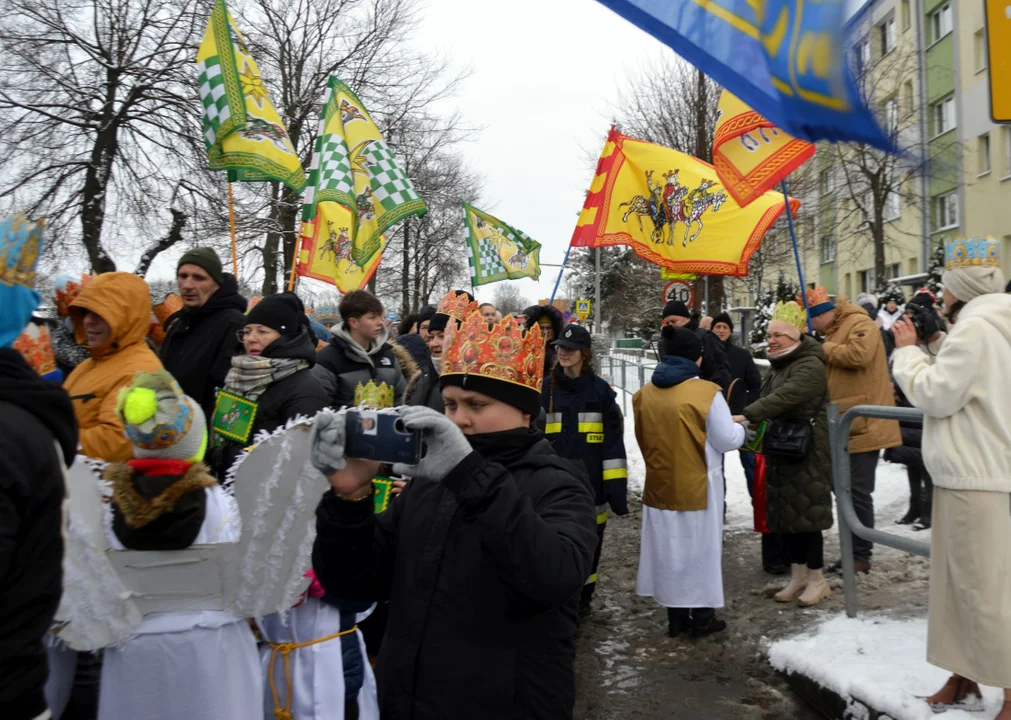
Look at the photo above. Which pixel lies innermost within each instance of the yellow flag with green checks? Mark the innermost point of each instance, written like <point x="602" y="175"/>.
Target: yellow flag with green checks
<point x="498" y="251"/>
<point x="353" y="166"/>
<point x="242" y="130"/>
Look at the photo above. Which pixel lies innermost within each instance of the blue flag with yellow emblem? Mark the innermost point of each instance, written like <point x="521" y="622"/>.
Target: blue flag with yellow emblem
<point x="783" y="58"/>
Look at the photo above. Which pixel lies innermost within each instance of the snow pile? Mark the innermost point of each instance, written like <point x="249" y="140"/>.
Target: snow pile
<point x="876" y="662"/>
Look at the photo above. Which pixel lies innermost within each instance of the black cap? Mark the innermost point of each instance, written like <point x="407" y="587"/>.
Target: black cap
<point x="681" y="342"/>
<point x="725" y="319"/>
<point x="675" y="307"/>
<point x="426" y="313"/>
<point x="204" y="258"/>
<point x="519" y="396"/>
<point x="574" y="337"/>
<point x="278" y="312"/>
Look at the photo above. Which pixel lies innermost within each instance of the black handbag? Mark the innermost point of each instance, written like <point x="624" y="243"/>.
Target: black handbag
<point x="788" y="441"/>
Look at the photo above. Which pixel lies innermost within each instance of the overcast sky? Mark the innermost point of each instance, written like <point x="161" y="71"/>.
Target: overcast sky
<point x="545" y="79"/>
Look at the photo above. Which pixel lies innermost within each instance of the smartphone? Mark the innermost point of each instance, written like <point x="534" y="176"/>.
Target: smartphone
<point x="380" y="436"/>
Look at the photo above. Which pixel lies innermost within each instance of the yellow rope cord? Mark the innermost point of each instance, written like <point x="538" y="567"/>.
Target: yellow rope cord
<point x="285" y="649"/>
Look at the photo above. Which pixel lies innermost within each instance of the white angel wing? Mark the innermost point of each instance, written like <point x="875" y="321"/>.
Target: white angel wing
<point x="277" y="490"/>
<point x="95" y="610"/>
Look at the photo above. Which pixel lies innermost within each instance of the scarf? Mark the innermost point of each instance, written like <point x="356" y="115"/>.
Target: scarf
<point x="251" y="375"/>
<point x="782" y="354"/>
<point x="507" y="446"/>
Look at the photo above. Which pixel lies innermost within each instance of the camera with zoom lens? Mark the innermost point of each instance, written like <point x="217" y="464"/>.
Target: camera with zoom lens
<point x="925" y="320"/>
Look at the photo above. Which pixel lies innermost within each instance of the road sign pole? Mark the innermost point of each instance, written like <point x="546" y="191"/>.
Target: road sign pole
<point x="598" y="324"/>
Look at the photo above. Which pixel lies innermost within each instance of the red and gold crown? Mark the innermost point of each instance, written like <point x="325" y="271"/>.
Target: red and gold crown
<point x="37" y="349"/>
<point x="456" y="306"/>
<point x="69" y="292"/>
<point x="499" y="351"/>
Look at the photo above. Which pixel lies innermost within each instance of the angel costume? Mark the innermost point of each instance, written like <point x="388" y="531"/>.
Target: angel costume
<point x="185" y="665"/>
<point x="315" y="661"/>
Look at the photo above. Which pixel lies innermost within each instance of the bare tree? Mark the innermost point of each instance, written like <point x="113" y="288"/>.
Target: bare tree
<point x="300" y="44"/>
<point x="99" y="123"/>
<point x="508" y="298"/>
<point x="872" y="187"/>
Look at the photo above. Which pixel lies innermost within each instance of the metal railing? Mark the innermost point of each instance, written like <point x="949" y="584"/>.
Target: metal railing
<point x="839" y="437"/>
<point x="624" y="374"/>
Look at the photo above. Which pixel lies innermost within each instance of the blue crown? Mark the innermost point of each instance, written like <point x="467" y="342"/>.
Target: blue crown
<point x="975" y="252"/>
<point x="20" y="246"/>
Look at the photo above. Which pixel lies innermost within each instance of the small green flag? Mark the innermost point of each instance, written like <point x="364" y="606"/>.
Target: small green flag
<point x="498" y="251"/>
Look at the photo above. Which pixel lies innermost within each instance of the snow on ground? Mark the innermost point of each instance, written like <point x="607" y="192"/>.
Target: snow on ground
<point x="875" y="661"/>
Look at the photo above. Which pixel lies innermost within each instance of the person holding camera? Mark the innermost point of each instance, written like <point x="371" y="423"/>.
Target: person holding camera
<point x="798" y="489"/>
<point x="484" y="552"/>
<point x="963" y="388"/>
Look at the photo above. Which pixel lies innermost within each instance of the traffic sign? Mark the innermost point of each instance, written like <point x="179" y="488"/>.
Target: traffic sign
<point x="998" y="36"/>
<point x="679" y="290"/>
<point x="583" y="309"/>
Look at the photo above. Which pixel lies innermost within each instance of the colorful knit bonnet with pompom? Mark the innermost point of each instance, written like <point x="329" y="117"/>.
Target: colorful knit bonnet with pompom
<point x="160" y="420"/>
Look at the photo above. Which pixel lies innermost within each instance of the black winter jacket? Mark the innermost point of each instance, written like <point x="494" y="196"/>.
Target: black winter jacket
<point x="482" y="571"/>
<point x="200" y="342"/>
<point x="715" y="366"/>
<point x="33" y="413"/>
<point x="745" y="372"/>
<point x="584" y="423"/>
<point x="297" y="394"/>
<point x="343" y="364"/>
<point x="424" y="389"/>
<point x="798" y="495"/>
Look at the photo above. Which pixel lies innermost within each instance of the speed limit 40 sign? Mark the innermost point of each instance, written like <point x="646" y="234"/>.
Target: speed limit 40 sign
<point x="679" y="290"/>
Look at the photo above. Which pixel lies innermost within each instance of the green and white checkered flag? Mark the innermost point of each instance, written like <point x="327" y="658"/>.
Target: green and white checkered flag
<point x="354" y="167"/>
<point x="498" y="251"/>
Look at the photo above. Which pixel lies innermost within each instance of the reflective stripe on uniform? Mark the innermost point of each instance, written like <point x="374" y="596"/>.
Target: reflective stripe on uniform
<point x="615" y="469"/>
<point x="553" y="424"/>
<point x="592" y="580"/>
<point x="591" y="422"/>
<point x="601" y="514"/>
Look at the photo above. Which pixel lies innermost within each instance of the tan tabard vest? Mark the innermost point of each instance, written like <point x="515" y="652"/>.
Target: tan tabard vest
<point x="670" y="424"/>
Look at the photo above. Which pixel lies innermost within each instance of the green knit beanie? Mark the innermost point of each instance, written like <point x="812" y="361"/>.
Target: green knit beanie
<point x="204" y="258"/>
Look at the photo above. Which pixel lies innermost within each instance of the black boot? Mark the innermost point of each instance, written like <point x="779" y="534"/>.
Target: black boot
<point x="678" y="621"/>
<point x="705" y="622"/>
<point x="915" y="499"/>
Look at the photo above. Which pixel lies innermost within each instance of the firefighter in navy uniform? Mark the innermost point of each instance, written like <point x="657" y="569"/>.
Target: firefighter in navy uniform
<point x="585" y="423"/>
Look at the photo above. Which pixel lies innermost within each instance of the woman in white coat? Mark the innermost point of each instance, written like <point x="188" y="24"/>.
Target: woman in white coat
<point x="963" y="386"/>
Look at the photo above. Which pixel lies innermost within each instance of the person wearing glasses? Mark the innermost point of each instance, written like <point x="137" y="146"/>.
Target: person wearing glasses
<point x="272" y="379"/>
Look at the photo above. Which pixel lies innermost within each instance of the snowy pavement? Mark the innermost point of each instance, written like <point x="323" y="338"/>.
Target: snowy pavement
<point x="873" y="661"/>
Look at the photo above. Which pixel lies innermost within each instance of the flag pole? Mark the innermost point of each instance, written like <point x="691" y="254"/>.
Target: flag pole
<point x="796" y="256"/>
<point x="560" y="271"/>
<point x="294" y="265"/>
<point x="231" y="222"/>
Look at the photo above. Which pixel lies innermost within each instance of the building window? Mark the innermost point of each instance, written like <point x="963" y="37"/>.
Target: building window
<point x="940" y="22"/>
<point x="894" y="270"/>
<point x="1006" y="134"/>
<point x="825" y="181"/>
<point x="943" y="115"/>
<point x="979" y="48"/>
<point x="907" y="98"/>
<point x="893" y="206"/>
<point x="886" y="35"/>
<point x="867" y="280"/>
<point x="827" y="249"/>
<point x="861" y="56"/>
<point x="892" y="115"/>
<point x="848" y="285"/>
<point x="907" y="18"/>
<point x="914" y="266"/>
<point x="983" y="153"/>
<point x="947" y="211"/>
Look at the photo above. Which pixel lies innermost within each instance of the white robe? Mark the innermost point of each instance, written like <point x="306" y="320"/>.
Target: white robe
<point x="316" y="671"/>
<point x="194" y="665"/>
<point x="681" y="555"/>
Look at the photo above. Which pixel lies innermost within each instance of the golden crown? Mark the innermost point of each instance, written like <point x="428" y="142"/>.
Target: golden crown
<point x="975" y="252"/>
<point x="791" y="313"/>
<point x="20" y="246"/>
<point x="374" y="396"/>
<point x="457" y="306"/>
<point x="37" y="349"/>
<point x="815" y="296"/>
<point x="65" y="296"/>
<point x="501" y="351"/>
